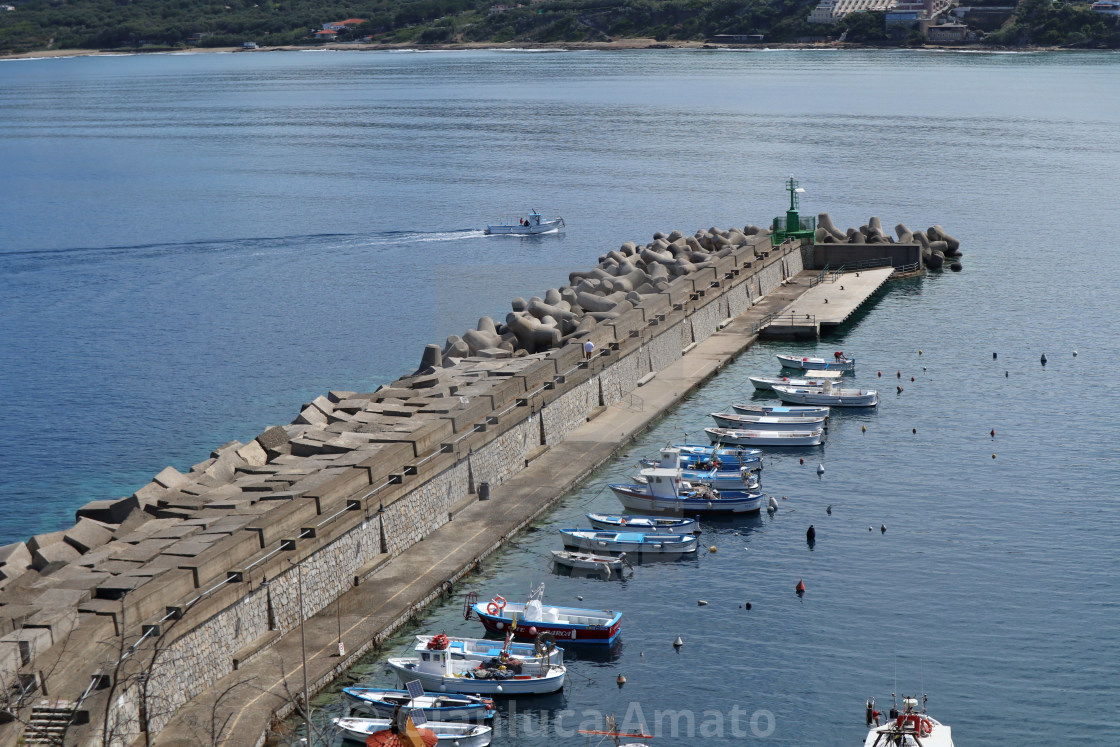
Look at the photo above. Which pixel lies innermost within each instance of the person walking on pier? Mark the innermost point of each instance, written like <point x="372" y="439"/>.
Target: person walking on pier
<point x="588" y="347"/>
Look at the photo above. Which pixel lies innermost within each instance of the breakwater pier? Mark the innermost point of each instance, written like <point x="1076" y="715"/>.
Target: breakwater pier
<point x="188" y="607"/>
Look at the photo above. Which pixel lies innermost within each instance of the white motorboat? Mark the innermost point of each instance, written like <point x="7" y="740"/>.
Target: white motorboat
<point x="828" y="395"/>
<point x="530" y="226"/>
<point x="785" y="411"/>
<point x="484" y="649"/>
<point x="911" y="727"/>
<point x="775" y="422"/>
<point x="607" y="565"/>
<point x="446" y="732"/>
<point x="765" y="438"/>
<point x="382" y="703"/>
<point x="532" y="619"/>
<point x="839" y="362"/>
<point x="766" y="383"/>
<point x="644" y="523"/>
<point x="439" y="671"/>
<point x="664" y="490"/>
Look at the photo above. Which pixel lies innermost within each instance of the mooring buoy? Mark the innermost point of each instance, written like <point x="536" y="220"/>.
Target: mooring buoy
<point x="829" y="510"/>
<point x="820" y="469"/>
<point x="800" y="587"/>
<point x="678" y="643"/>
<point x="883" y="529"/>
<point x="1043" y="359"/>
<point x="621" y="681"/>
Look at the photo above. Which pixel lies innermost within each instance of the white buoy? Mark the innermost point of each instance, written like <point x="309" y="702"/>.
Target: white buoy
<point x="820" y="469"/>
<point x="678" y="643"/>
<point x="772" y="506"/>
<point x="701" y="602"/>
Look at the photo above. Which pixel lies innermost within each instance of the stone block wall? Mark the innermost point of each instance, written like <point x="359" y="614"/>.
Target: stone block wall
<point x="569" y="411"/>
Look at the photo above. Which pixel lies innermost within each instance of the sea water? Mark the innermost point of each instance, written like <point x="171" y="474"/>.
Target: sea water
<point x="192" y="246"/>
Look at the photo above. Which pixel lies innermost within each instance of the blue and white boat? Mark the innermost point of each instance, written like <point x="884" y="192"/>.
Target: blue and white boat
<point x="700" y="457"/>
<point x="381" y="703"/>
<point x="665" y="490"/>
<point x="439" y="671"/>
<point x="742" y="478"/>
<point x="634" y="544"/>
<point x="484" y="650"/>
<point x="766" y="383"/>
<point x="644" y="523"/>
<point x="530" y="226"/>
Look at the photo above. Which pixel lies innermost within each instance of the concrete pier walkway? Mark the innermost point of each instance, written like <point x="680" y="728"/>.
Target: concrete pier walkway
<point x="828" y="304"/>
<point x="264" y="688"/>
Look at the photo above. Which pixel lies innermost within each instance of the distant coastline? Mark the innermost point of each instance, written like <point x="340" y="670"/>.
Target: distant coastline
<point x="621" y="44"/>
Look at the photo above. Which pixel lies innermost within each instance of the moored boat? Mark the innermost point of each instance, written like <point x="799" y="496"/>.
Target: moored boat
<point x="664" y="490"/>
<point x="785" y="411"/>
<point x="631" y="543"/>
<point x="381" y="703"/>
<point x="767" y="422"/>
<point x="446" y="733"/>
<point x="533" y="619"/>
<point x="644" y="523"/>
<point x="484" y="649"/>
<point x="438" y="671"/>
<point x="828" y="395"/>
<point x="766" y="383"/>
<point x="532" y="225"/>
<point x="707" y="456"/>
<point x="910" y="727"/>
<point x="839" y="362"/>
<point x="765" y="438"/>
<point x="607" y="565"/>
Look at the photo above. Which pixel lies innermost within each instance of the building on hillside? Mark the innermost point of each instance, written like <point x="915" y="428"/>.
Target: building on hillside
<point x="1108" y="7"/>
<point x="340" y="25"/>
<point x="898" y="11"/>
<point x="947" y="33"/>
<point x="326" y="35"/>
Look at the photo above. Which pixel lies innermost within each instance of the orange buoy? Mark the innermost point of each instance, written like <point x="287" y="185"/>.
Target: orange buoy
<point x="880" y="374"/>
<point x="800" y="587"/>
<point x="803" y="460"/>
<point x="911" y="378"/>
<point x="898" y="374"/>
<point x="993" y="432"/>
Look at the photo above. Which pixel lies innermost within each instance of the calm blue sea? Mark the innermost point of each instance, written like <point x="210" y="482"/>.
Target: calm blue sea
<point x="193" y="245"/>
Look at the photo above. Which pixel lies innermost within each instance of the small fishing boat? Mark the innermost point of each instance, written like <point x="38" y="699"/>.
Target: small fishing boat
<point x="382" y="703"/>
<point x="838" y="362"/>
<point x="589" y="562"/>
<point x="632" y="543"/>
<point x="644" y="523"/>
<point x="534" y="224"/>
<point x="767" y="422"/>
<point x="533" y="619"/>
<point x="439" y="671"/>
<point x="765" y="438"/>
<point x="910" y="727"/>
<point x="785" y="411"/>
<point x="664" y="490"/>
<point x="743" y="478"/>
<point x="828" y="395"/>
<point x="700" y="456"/>
<point x="484" y="649"/>
<point x="766" y="383"/>
<point x="447" y="733"/>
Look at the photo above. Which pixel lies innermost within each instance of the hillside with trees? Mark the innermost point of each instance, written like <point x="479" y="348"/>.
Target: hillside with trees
<point x="156" y="24"/>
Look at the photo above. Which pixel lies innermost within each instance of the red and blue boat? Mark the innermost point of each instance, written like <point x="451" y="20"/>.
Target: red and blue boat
<point x="564" y="624"/>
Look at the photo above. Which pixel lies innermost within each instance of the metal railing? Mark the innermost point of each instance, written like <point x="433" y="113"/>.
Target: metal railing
<point x="792" y="320"/>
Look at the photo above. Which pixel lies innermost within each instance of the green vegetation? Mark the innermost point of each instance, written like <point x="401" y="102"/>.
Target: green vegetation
<point x="115" y="24"/>
<point x="1044" y="24"/>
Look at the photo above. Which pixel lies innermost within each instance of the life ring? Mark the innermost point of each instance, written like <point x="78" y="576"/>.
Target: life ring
<point x="925" y="727"/>
<point x="496" y="605"/>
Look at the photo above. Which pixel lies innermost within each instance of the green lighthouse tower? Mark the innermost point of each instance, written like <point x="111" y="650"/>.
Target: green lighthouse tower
<point x="793" y="226"/>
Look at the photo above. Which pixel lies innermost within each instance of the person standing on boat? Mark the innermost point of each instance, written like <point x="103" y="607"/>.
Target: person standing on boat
<point x="588" y="347"/>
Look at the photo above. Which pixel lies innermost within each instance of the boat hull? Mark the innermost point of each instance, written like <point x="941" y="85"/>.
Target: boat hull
<point x="582" y="561"/>
<point x="750" y="421"/>
<point x="817" y="364"/>
<point x="835" y="398"/>
<point x="643" y="523"/>
<point x="765" y="438"/>
<point x="592" y="634"/>
<point x="530" y="229"/>
<point x="785" y="411"/>
<point x="637" y="498"/>
<point x="631" y="543"/>
<point x="380" y="703"/>
<point x="406" y="670"/>
<point x="767" y="383"/>
<point x="483" y="649"/>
